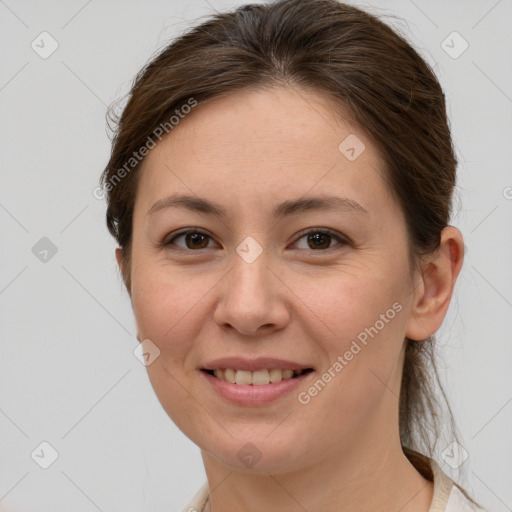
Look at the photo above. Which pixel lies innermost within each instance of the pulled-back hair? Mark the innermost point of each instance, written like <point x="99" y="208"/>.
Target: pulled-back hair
<point x="375" y="75"/>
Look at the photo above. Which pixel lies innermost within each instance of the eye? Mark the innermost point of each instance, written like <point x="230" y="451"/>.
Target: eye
<point x="194" y="239"/>
<point x="320" y="239"/>
<point x="316" y="239"/>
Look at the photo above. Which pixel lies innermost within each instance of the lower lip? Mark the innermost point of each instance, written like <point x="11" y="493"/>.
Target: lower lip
<point x="254" y="395"/>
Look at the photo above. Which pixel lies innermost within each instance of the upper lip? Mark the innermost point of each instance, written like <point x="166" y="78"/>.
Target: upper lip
<point x="260" y="363"/>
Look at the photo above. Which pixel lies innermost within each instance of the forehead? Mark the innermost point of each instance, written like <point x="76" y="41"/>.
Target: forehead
<point x="280" y="142"/>
<point x="267" y="122"/>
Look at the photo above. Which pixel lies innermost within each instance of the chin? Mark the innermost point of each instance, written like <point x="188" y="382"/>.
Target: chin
<point x="255" y="454"/>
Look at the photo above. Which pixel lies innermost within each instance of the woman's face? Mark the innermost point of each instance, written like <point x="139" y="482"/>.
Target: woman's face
<point x="253" y="284"/>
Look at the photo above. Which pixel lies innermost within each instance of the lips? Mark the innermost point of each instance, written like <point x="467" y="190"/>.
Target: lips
<point x="252" y="395"/>
<point x="252" y="365"/>
<point x="257" y="378"/>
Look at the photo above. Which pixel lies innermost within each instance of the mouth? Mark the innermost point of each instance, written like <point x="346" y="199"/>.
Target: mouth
<point x="255" y="378"/>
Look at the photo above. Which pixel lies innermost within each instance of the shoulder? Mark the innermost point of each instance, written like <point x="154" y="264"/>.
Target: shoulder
<point x="448" y="496"/>
<point x="458" y="502"/>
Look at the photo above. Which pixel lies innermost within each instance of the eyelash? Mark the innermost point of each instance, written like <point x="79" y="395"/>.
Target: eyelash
<point x="342" y="240"/>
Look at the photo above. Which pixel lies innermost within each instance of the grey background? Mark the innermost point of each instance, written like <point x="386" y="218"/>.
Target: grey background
<point x="68" y="375"/>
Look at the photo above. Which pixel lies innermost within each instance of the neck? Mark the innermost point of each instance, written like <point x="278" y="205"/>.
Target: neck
<point x="378" y="480"/>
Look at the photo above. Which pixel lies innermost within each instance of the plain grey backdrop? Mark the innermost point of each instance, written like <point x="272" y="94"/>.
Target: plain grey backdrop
<point x="68" y="375"/>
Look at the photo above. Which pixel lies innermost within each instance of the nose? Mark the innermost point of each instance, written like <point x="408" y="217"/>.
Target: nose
<point x="253" y="300"/>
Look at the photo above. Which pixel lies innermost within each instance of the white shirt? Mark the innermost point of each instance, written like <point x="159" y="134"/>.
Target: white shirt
<point x="447" y="496"/>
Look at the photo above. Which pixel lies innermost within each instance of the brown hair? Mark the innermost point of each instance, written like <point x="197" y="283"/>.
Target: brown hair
<point x="369" y="70"/>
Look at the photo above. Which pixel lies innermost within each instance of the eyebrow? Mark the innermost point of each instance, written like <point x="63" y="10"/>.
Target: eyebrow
<point x="285" y="209"/>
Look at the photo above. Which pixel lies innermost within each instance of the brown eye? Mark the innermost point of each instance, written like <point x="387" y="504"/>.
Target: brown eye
<point x="194" y="240"/>
<point x="316" y="240"/>
<point x="320" y="239"/>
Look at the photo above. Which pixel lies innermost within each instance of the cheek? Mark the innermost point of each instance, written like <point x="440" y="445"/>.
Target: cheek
<point x="170" y="309"/>
<point x="167" y="313"/>
<point x="358" y="322"/>
<point x="151" y="299"/>
<point x="346" y="304"/>
<point x="361" y="340"/>
<point x="160" y="298"/>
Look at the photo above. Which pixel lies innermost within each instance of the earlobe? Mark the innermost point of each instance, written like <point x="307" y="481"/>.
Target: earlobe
<point x="119" y="258"/>
<point x="438" y="278"/>
<point x="121" y="263"/>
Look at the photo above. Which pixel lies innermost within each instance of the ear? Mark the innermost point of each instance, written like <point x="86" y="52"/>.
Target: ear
<point x="433" y="293"/>
<point x="120" y="261"/>
<point x="119" y="258"/>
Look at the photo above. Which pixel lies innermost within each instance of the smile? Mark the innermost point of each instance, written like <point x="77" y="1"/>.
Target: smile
<point x="244" y="393"/>
<point x="256" y="378"/>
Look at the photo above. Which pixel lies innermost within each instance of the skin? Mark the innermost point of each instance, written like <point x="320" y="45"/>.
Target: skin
<point x="250" y="151"/>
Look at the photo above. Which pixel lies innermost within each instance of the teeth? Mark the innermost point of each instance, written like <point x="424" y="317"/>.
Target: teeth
<point x="256" y="378"/>
<point x="243" y="377"/>
<point x="229" y="375"/>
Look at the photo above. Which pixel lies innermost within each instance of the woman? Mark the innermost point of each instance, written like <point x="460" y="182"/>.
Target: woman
<point x="280" y="189"/>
